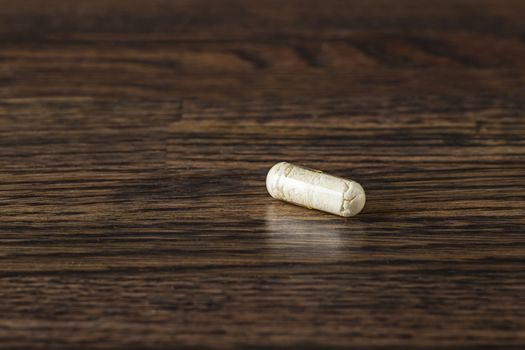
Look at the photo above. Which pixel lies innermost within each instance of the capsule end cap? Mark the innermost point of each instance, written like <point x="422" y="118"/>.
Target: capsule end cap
<point x="272" y="178"/>
<point x="354" y="200"/>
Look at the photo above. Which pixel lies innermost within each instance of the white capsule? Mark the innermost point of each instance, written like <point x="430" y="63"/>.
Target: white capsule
<point x="315" y="189"/>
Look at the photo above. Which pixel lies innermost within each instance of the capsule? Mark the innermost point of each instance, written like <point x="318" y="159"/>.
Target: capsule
<point x="315" y="190"/>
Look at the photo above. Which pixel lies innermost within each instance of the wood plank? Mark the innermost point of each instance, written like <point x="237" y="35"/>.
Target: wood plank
<point x="261" y="49"/>
<point x="154" y="222"/>
<point x="134" y="142"/>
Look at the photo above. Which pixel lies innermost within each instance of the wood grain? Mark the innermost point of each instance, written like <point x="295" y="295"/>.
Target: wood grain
<point x="261" y="49"/>
<point x="135" y="139"/>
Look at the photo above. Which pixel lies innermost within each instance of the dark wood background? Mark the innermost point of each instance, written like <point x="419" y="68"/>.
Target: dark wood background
<point x="134" y="141"/>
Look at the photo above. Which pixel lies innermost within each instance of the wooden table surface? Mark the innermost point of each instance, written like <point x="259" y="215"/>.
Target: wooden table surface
<point x="135" y="137"/>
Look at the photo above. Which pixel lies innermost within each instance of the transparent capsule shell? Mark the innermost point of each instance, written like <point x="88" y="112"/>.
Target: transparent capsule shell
<point x="314" y="189"/>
